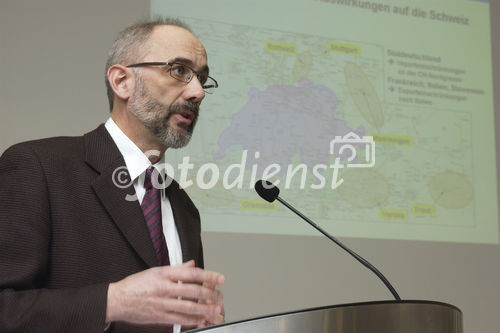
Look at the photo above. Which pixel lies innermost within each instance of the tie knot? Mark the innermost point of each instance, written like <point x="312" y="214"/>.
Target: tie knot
<point x="147" y="180"/>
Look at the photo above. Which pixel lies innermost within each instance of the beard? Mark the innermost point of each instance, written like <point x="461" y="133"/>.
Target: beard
<point x="155" y="116"/>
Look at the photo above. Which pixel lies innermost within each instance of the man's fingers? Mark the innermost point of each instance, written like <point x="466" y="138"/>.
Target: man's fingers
<point x="189" y="263"/>
<point x="194" y="292"/>
<point x="200" y="312"/>
<point x="209" y="285"/>
<point x="155" y="296"/>
<point x="187" y="273"/>
<point x="183" y="319"/>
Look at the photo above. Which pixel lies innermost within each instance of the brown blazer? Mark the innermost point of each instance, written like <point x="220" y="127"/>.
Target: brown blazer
<point x="66" y="232"/>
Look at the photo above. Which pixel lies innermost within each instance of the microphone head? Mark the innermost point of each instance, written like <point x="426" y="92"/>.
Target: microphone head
<point x="267" y="190"/>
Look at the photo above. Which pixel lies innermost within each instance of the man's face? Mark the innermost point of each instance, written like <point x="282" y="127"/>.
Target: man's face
<point x="165" y="106"/>
<point x="156" y="116"/>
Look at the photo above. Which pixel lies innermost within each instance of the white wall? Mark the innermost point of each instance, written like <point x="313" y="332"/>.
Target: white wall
<point x="52" y="56"/>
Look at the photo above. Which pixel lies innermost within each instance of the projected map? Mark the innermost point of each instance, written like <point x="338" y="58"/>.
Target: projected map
<point x="285" y="120"/>
<point x="285" y="94"/>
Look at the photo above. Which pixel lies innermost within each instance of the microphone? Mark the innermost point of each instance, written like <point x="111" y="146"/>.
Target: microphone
<point x="269" y="192"/>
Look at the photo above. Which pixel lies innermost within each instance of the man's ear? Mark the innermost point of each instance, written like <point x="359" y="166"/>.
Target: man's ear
<point x="121" y="81"/>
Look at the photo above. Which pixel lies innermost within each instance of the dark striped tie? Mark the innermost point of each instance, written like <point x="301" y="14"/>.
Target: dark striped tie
<point x="151" y="208"/>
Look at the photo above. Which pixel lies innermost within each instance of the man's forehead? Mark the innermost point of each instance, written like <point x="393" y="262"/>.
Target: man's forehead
<point x="170" y="42"/>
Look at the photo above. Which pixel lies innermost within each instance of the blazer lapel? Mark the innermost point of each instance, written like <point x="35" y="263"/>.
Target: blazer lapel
<point x="182" y="219"/>
<point x="104" y="157"/>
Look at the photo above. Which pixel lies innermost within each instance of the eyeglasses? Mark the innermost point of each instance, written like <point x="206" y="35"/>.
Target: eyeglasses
<point x="183" y="73"/>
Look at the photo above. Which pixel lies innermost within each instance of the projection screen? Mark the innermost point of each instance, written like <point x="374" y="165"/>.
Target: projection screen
<point x="375" y="118"/>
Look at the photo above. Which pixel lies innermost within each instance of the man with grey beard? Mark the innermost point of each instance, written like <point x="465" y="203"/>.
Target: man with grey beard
<point x="76" y="253"/>
<point x="156" y="119"/>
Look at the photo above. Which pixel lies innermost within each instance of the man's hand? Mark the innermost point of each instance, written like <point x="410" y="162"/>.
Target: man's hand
<point x="207" y="322"/>
<point x="152" y="297"/>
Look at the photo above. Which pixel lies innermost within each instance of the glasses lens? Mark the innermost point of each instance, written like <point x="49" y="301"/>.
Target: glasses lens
<point x="181" y="72"/>
<point x="210" y="86"/>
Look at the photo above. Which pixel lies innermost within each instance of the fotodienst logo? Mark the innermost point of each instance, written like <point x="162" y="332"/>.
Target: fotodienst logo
<point x="348" y="151"/>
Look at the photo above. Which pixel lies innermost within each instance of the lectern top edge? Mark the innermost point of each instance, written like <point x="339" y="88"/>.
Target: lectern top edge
<point x="346" y="306"/>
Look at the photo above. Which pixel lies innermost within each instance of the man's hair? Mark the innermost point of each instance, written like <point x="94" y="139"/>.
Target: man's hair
<point x="130" y="45"/>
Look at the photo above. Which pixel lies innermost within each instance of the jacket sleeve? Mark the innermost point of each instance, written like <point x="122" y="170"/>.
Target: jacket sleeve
<point x="26" y="304"/>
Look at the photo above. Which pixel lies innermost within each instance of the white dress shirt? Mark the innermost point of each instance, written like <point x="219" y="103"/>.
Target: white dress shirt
<point x="137" y="163"/>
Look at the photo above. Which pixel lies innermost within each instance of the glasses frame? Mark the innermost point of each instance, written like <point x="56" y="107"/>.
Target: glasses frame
<point x="209" y="89"/>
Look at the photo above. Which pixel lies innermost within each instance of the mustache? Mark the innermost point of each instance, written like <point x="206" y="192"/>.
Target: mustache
<point x="190" y="106"/>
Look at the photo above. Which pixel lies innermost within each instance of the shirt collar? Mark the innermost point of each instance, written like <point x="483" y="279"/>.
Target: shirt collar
<point x="135" y="160"/>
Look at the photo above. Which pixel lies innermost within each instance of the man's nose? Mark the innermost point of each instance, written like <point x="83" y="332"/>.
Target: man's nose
<point x="194" y="90"/>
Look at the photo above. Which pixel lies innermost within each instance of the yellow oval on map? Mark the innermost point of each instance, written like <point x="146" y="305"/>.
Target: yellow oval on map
<point x="451" y="189"/>
<point x="364" y="95"/>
